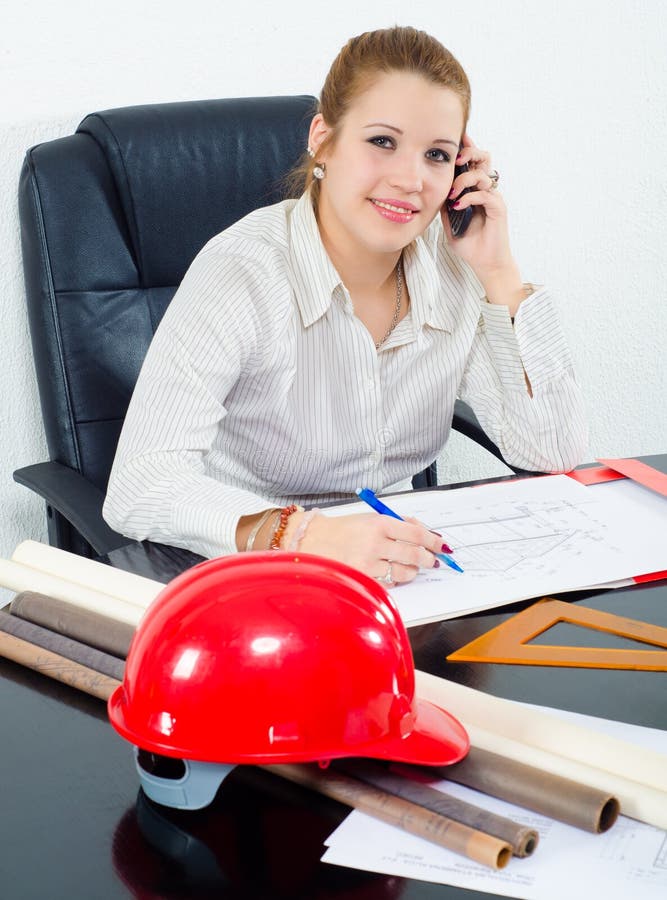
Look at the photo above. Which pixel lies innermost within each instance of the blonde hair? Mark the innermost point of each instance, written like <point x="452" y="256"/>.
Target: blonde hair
<point x="362" y="59"/>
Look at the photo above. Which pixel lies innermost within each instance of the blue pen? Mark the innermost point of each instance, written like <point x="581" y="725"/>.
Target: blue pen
<point x="367" y="495"/>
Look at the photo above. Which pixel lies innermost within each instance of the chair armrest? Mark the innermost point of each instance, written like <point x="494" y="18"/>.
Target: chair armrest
<point x="75" y="498"/>
<point x="467" y="423"/>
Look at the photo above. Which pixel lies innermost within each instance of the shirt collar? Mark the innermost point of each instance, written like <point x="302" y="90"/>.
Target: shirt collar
<point x="428" y="303"/>
<point x="314" y="273"/>
<point x="316" y="278"/>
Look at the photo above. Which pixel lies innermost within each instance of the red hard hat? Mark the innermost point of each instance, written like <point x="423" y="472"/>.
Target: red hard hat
<point x="275" y="657"/>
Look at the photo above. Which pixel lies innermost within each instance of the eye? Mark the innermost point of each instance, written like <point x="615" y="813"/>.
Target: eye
<point x="437" y="155"/>
<point x="381" y="140"/>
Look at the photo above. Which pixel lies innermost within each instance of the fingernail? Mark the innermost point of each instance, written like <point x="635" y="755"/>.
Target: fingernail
<point x="453" y="192"/>
<point x="456" y="204"/>
<point x="436" y="564"/>
<point x="459" y="157"/>
<point x="446" y="548"/>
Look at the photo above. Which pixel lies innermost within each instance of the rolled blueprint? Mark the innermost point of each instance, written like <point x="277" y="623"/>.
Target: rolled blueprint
<point x="522" y="839"/>
<point x="57" y="667"/>
<point x="638" y="800"/>
<point x="483" y="848"/>
<point x="87" y="573"/>
<point x="18" y="577"/>
<point x="90" y="628"/>
<point x="542" y="731"/>
<point x="64" y="646"/>
<point x="559" y="798"/>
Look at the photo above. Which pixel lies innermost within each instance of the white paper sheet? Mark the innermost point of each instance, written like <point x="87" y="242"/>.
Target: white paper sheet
<point x="527" y="538"/>
<point x="630" y="860"/>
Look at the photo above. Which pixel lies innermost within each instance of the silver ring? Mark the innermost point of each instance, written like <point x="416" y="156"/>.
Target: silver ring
<point x="495" y="178"/>
<point x="387" y="578"/>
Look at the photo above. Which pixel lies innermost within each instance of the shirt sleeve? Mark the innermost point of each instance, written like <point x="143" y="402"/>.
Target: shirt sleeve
<point x="546" y="432"/>
<point x="159" y="488"/>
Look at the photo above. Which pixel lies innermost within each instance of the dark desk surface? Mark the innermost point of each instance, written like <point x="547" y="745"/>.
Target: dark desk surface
<point x="74" y="825"/>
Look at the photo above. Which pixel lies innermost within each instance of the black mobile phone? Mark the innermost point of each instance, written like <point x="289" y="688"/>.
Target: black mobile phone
<point x="459" y="219"/>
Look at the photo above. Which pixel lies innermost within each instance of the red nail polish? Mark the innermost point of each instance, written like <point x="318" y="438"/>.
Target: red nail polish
<point x="436" y="564"/>
<point x="446" y="548"/>
<point x="456" y="204"/>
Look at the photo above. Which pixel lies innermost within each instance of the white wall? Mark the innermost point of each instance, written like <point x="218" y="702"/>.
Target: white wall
<point x="570" y="96"/>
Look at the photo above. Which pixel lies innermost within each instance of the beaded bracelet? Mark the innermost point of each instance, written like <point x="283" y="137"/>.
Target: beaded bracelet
<point x="285" y="513"/>
<point x="299" y="534"/>
<point x="250" y="543"/>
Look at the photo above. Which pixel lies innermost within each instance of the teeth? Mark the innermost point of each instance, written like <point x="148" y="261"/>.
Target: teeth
<point x="396" y="209"/>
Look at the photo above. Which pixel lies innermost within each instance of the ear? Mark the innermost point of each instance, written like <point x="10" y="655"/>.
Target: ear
<point x="319" y="130"/>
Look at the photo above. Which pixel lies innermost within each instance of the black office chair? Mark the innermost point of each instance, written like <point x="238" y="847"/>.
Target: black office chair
<point x="111" y="218"/>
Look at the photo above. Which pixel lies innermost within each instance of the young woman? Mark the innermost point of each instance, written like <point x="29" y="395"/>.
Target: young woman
<point x="319" y="345"/>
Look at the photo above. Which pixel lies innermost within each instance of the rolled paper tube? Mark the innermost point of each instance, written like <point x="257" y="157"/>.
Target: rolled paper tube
<point x="87" y="573"/>
<point x="639" y="801"/>
<point x="63" y="646"/>
<point x="90" y="628"/>
<point x="543" y="792"/>
<point x="18" y="577"/>
<point x="523" y="840"/>
<point x="54" y="666"/>
<point x="483" y="848"/>
<point x="545" y="732"/>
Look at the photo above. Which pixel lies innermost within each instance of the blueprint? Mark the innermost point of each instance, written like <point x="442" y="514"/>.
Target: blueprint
<point x="527" y="538"/>
<point x="509" y="538"/>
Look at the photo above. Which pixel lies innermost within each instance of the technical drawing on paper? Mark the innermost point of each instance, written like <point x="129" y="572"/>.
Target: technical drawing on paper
<point x="661" y="857"/>
<point x="636" y="854"/>
<point x="502" y="538"/>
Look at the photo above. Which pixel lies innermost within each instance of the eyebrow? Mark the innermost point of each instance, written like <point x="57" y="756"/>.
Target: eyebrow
<point x="398" y="131"/>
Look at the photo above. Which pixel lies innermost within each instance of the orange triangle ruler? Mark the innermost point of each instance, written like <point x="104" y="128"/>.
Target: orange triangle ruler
<point x="509" y="642"/>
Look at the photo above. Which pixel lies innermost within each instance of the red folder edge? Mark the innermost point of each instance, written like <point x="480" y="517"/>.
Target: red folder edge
<point x="639" y="472"/>
<point x="595" y="475"/>
<point x="612" y="470"/>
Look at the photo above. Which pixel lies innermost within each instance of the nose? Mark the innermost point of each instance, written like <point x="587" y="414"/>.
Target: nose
<point x="407" y="174"/>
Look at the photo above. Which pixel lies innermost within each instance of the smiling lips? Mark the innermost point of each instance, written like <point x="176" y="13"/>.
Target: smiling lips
<point x="395" y="211"/>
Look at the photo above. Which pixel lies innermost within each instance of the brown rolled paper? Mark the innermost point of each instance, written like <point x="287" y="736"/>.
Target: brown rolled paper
<point x="480" y="847"/>
<point x="522" y="839"/>
<point x="559" y="798"/>
<point x="83" y="625"/>
<point x="55" y="666"/>
<point x="63" y="646"/>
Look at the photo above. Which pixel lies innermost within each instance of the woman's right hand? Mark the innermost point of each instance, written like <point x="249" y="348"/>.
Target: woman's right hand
<point x="377" y="545"/>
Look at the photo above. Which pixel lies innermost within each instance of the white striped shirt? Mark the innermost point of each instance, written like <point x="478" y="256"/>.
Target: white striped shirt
<point x="261" y="387"/>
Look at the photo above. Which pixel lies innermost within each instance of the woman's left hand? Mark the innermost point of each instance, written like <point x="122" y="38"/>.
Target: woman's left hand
<point x="485" y="245"/>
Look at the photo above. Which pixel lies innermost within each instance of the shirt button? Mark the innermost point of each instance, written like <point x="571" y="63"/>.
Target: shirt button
<point x="374" y="458"/>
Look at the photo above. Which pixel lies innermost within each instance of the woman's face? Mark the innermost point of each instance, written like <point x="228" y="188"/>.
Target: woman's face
<point x="391" y="166"/>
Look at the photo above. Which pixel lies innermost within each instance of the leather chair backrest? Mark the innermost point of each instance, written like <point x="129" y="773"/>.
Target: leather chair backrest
<point x="111" y="218"/>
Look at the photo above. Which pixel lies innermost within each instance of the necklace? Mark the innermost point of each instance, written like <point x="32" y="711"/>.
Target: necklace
<point x="397" y="308"/>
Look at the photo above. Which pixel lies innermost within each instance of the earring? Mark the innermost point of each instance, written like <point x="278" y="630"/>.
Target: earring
<point x="310" y="152"/>
<point x="320" y="171"/>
